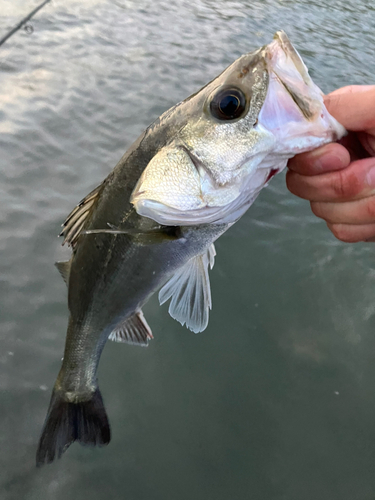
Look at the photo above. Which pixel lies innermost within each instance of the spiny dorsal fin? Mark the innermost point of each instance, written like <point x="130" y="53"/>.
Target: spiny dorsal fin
<point x="77" y="217"/>
<point x="190" y="292"/>
<point x="134" y="330"/>
<point x="64" y="269"/>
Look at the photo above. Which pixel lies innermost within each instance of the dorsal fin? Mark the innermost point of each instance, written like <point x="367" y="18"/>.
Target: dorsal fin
<point x="77" y="217"/>
<point x="134" y="330"/>
<point x="189" y="289"/>
<point x="64" y="269"/>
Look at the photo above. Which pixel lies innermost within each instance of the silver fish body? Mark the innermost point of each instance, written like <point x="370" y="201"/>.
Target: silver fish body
<point x="153" y="221"/>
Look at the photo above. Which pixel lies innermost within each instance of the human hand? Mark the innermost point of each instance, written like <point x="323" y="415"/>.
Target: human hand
<point x="339" y="178"/>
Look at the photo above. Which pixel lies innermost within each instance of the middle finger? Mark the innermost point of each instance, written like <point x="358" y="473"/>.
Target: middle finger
<point x="354" y="182"/>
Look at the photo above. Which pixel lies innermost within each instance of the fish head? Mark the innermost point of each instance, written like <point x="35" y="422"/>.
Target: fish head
<point x="233" y="136"/>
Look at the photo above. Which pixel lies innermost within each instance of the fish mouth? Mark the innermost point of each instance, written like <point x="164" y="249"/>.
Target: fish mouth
<point x="282" y="38"/>
<point x="286" y="65"/>
<point x="293" y="110"/>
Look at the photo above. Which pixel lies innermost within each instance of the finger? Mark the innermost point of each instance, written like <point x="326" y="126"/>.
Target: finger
<point x="327" y="158"/>
<point x="351" y="212"/>
<point x="354" y="182"/>
<point x="353" y="234"/>
<point x="353" y="109"/>
<point x="352" y="89"/>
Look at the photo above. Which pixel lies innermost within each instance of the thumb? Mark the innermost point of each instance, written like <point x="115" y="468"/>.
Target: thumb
<point x="353" y="107"/>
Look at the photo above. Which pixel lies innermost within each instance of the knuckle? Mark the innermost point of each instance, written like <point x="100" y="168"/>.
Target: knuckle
<point x="370" y="209"/>
<point x="345" y="185"/>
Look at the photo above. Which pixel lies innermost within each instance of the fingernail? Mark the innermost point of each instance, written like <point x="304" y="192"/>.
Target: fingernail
<point x="328" y="162"/>
<point x="370" y="177"/>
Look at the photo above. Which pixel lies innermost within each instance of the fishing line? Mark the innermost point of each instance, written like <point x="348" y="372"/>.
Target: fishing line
<point x="24" y="21"/>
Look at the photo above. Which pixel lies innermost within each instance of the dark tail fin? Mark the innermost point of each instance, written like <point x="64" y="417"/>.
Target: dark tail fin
<point x="85" y="422"/>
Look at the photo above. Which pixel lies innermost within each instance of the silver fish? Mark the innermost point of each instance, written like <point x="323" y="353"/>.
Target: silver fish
<point x="153" y="222"/>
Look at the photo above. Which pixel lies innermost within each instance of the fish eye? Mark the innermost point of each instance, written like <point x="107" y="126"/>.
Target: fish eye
<point x="228" y="104"/>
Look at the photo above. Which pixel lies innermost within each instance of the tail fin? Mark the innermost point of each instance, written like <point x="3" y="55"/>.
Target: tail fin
<point x="85" y="422"/>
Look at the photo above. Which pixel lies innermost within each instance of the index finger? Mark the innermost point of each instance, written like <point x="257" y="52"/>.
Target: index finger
<point x="327" y="158"/>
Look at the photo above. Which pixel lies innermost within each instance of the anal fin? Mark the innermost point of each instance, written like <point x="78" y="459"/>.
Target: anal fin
<point x="134" y="330"/>
<point x="190" y="293"/>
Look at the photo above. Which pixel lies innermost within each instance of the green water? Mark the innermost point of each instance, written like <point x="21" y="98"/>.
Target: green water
<point x="276" y="399"/>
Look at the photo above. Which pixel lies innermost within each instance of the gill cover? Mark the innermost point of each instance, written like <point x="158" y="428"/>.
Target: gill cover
<point x="175" y="190"/>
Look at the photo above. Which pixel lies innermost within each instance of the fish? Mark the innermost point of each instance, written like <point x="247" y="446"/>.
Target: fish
<point x="152" y="223"/>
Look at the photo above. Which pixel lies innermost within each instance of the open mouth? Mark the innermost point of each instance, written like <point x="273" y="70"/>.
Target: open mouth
<point x="287" y="67"/>
<point x="286" y="45"/>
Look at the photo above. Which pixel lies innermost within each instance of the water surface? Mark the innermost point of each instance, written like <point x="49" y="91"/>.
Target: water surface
<point x="275" y="400"/>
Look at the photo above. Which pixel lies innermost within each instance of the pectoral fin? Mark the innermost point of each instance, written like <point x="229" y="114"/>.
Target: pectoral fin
<point x="134" y="330"/>
<point x="190" y="293"/>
